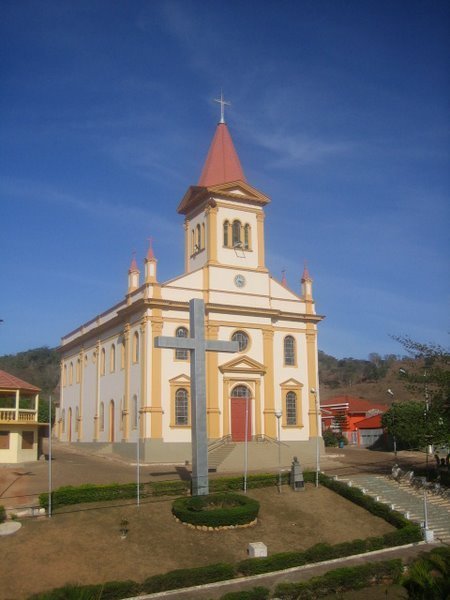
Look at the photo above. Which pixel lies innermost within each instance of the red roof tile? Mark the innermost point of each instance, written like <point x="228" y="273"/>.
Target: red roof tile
<point x="10" y="382"/>
<point x="222" y="164"/>
<point x="355" y="404"/>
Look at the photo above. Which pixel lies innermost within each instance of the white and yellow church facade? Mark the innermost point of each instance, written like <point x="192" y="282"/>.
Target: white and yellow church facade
<point x="118" y="389"/>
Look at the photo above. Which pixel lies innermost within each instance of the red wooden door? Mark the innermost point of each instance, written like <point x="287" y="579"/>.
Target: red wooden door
<point x="238" y="411"/>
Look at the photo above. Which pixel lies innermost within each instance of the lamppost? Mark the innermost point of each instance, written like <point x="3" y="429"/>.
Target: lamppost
<point x="278" y="415"/>
<point x="316" y="396"/>
<point x="391" y="394"/>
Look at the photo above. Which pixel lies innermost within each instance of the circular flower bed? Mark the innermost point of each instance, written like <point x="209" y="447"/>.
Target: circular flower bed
<point x="216" y="510"/>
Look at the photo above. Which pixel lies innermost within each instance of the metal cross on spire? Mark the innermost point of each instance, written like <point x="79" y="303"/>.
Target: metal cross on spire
<point x="222" y="103"/>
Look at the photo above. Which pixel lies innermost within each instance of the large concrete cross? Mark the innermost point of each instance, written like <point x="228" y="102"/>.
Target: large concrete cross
<point x="197" y="346"/>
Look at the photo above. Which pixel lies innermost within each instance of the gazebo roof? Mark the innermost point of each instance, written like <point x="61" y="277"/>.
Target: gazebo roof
<point x="10" y="382"/>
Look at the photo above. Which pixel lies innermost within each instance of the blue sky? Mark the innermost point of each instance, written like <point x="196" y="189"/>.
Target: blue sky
<point x="339" y="113"/>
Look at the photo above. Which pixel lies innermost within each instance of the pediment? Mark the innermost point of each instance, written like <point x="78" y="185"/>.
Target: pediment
<point x="180" y="379"/>
<point x="291" y="383"/>
<point x="235" y="190"/>
<point x="243" y="364"/>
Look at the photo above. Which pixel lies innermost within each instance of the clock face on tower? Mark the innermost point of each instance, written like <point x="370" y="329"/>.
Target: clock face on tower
<point x="239" y="281"/>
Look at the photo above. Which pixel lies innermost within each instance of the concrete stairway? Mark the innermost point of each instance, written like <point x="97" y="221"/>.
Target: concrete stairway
<point x="406" y="498"/>
<point x="217" y="455"/>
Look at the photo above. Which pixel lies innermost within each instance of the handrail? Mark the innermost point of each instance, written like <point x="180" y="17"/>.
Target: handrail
<point x="218" y="443"/>
<point x="262" y="437"/>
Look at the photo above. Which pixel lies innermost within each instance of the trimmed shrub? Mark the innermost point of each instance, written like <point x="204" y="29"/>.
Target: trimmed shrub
<point x="340" y="580"/>
<point x="169" y="488"/>
<point x="187" y="578"/>
<point x="216" y="510"/>
<point x="111" y="590"/>
<point x="2" y="514"/>
<point x="256" y="593"/>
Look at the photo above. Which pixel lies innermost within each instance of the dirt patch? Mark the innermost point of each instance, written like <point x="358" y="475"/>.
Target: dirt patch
<point x="84" y="546"/>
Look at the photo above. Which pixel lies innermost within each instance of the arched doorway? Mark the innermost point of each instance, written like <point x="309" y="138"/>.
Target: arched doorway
<point x="241" y="407"/>
<point x="69" y="425"/>
<point x="111" y="421"/>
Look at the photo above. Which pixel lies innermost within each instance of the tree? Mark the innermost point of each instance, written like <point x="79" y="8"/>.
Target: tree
<point x="425" y="419"/>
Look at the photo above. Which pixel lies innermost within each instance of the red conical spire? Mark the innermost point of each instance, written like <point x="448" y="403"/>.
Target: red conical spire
<point x="133" y="266"/>
<point x="150" y="254"/>
<point x="283" y="278"/>
<point x="306" y="276"/>
<point x="222" y="163"/>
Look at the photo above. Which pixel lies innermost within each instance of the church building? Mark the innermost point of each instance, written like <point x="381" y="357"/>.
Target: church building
<point x="118" y="389"/>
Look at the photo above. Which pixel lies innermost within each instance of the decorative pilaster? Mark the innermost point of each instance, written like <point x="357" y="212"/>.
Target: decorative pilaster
<point x="212" y="386"/>
<point x="211" y="228"/>
<point x="311" y="357"/>
<point x="156" y="408"/>
<point x="143" y="396"/>
<point x="260" y="229"/>
<point x="80" y="400"/>
<point x="186" y="246"/>
<point x="126" y="396"/>
<point x="270" y="427"/>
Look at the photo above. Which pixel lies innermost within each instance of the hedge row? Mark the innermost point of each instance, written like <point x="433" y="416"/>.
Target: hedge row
<point x="341" y="580"/>
<point x="216" y="510"/>
<point x="116" y="590"/>
<point x="68" y="495"/>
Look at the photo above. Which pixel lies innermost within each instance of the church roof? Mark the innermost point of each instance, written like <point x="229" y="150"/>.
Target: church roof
<point x="222" y="164"/>
<point x="10" y="382"/>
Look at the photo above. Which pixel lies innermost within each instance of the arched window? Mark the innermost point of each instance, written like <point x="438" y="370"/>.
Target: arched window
<point x="289" y="351"/>
<point x="78" y="371"/>
<point x="102" y="361"/>
<point x="203" y="236"/>
<point x="65" y="375"/>
<point x="226" y="234"/>
<point x="102" y="417"/>
<point x="198" y="239"/>
<point x="136" y="347"/>
<point x="291" y="408"/>
<point x="247" y="240"/>
<point x="181" y="407"/>
<point x="112" y="358"/>
<point x="134" y="415"/>
<point x="236" y="233"/>
<point x="71" y="373"/>
<point x="63" y="420"/>
<point x="181" y="332"/>
<point x="192" y="241"/>
<point x="240" y="391"/>
<point x="241" y="338"/>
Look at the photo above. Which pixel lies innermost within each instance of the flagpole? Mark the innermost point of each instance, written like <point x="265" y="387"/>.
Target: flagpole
<point x="50" y="457"/>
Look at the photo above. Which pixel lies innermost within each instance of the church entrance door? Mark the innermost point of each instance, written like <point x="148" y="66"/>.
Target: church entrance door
<point x="241" y="407"/>
<point x="111" y="421"/>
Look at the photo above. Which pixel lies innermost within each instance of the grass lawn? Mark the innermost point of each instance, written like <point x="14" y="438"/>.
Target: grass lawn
<point x="82" y="544"/>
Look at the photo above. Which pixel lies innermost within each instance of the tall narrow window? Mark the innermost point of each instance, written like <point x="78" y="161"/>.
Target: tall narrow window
<point x="122" y="354"/>
<point x="192" y="242"/>
<point x="226" y="234"/>
<point x="65" y="375"/>
<point x="291" y="408"/>
<point x="71" y="373"/>
<point x="198" y="238"/>
<point x="203" y="236"/>
<point x="181" y="407"/>
<point x="181" y="332"/>
<point x="112" y="358"/>
<point x="136" y="347"/>
<point x="102" y="416"/>
<point x="102" y="361"/>
<point x="63" y="420"/>
<point x="289" y="351"/>
<point x="135" y="412"/>
<point x="247" y="243"/>
<point x="236" y="232"/>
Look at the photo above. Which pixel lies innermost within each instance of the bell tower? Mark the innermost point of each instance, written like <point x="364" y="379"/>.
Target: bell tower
<point x="224" y="215"/>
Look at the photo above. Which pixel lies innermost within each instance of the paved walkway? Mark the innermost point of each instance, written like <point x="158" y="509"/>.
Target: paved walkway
<point x="406" y="498"/>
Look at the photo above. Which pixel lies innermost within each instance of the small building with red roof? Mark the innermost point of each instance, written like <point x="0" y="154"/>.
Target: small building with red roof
<point x="19" y="423"/>
<point x="359" y="419"/>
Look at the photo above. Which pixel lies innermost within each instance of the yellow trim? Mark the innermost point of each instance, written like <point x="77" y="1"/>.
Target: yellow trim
<point x="186" y="245"/>
<point x="212" y="386"/>
<point x="226" y="406"/>
<point x="260" y="233"/>
<point x="126" y="398"/>
<point x="211" y="217"/>
<point x="311" y="357"/>
<point x="269" y="407"/>
<point x="258" y="430"/>
<point x="143" y="367"/>
<point x="156" y="408"/>
<point x="97" y="392"/>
